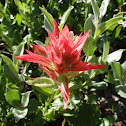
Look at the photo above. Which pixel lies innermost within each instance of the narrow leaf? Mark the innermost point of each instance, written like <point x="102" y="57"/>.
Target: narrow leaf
<point x="103" y="8"/>
<point x="105" y="50"/>
<point x="117" y="71"/>
<point x="48" y="17"/>
<point x="64" y="17"/>
<point x="104" y="26"/>
<point x="89" y="25"/>
<point x="18" y="52"/>
<point x="124" y="67"/>
<point x="47" y="26"/>
<point x="41" y="82"/>
<point x="121" y="89"/>
<point x="10" y="70"/>
<point x="25" y="98"/>
<point x="95" y="11"/>
<point x="19" y="4"/>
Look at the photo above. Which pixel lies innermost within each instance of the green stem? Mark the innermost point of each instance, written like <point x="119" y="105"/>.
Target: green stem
<point x="88" y="80"/>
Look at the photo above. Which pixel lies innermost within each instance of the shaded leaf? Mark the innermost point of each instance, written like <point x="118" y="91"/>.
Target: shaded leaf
<point x="10" y="70"/>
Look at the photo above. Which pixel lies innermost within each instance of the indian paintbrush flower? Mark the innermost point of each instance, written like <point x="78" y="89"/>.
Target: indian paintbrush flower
<point x="60" y="59"/>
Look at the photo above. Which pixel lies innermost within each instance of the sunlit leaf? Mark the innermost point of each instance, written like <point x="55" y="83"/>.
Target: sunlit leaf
<point x="48" y="20"/>
<point x="121" y="89"/>
<point x="89" y="25"/>
<point x="41" y="82"/>
<point x="19" y="113"/>
<point x="114" y="56"/>
<point x="117" y="71"/>
<point x="118" y="30"/>
<point x="105" y="50"/>
<point x="25" y="98"/>
<point x="103" y="8"/>
<point x="95" y="11"/>
<point x="104" y="26"/>
<point x="89" y="46"/>
<point x="13" y="97"/>
<point x="18" y="52"/>
<point x="64" y="17"/>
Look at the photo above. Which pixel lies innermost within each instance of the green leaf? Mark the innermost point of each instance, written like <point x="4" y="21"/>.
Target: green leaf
<point x="89" y="25"/>
<point x="104" y="26"/>
<point x="19" y="4"/>
<point x="47" y="26"/>
<point x="124" y="67"/>
<point x="48" y="22"/>
<point x="41" y="82"/>
<point x="18" y="18"/>
<point x="19" y="113"/>
<point x="92" y="99"/>
<point x="110" y="77"/>
<point x="121" y="89"/>
<point x="109" y="120"/>
<point x="103" y="8"/>
<point x="105" y="50"/>
<point x="97" y="85"/>
<point x="25" y="98"/>
<point x="117" y="71"/>
<point x="89" y="46"/>
<point x="43" y="90"/>
<point x="10" y="70"/>
<point x="114" y="56"/>
<point x="33" y="105"/>
<point x="118" y="29"/>
<point x="57" y="103"/>
<point x="95" y="11"/>
<point x="18" y="52"/>
<point x="13" y="97"/>
<point x="39" y="42"/>
<point x="64" y="17"/>
<point x="88" y="115"/>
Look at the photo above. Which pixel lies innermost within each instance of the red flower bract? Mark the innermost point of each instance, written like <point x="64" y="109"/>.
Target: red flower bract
<point x="61" y="58"/>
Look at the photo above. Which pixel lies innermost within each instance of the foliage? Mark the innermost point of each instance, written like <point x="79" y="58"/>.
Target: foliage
<point x="25" y="101"/>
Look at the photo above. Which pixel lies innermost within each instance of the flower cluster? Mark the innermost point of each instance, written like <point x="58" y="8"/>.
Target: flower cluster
<point x="60" y="59"/>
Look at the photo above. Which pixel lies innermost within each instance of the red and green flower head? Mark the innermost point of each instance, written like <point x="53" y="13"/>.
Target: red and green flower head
<point x="61" y="58"/>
